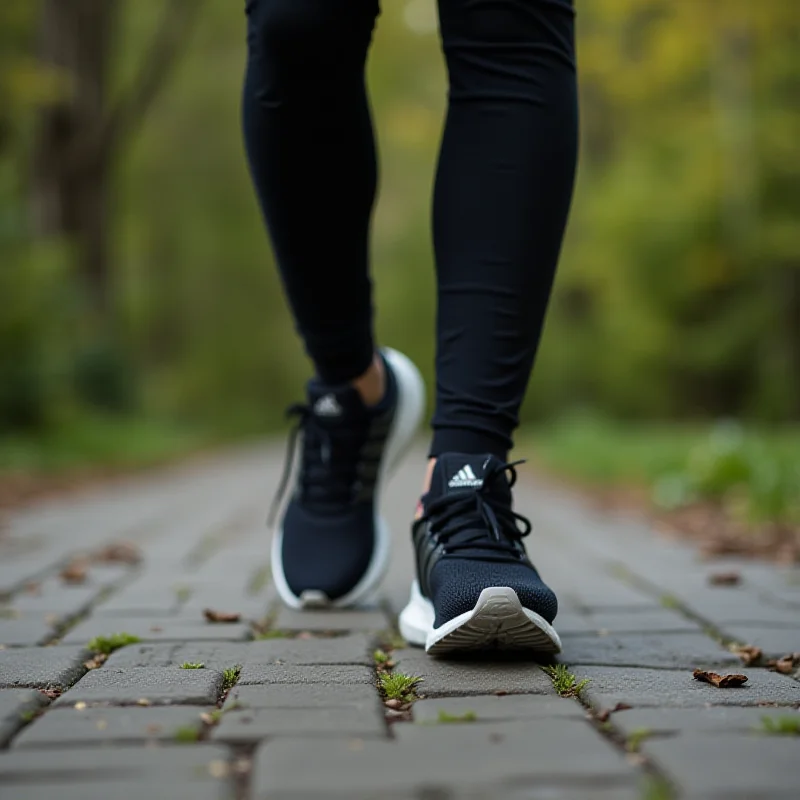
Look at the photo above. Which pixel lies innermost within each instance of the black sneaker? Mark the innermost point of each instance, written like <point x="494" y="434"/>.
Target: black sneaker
<point x="332" y="546"/>
<point x="475" y="587"/>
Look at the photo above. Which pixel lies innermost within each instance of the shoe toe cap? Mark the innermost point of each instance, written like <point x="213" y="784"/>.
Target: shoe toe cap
<point x="456" y="585"/>
<point x="327" y="554"/>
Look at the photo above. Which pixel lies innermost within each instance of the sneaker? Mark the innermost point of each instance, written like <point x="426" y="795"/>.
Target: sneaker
<point x="475" y="587"/>
<point x="332" y="546"/>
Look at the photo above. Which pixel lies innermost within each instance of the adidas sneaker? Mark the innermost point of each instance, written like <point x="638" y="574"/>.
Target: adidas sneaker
<point x="476" y="587"/>
<point x="332" y="545"/>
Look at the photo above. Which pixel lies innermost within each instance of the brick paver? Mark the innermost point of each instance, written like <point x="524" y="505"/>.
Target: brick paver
<point x="305" y="719"/>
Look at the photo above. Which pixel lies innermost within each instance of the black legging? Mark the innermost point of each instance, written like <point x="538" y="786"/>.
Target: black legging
<point x="502" y="194"/>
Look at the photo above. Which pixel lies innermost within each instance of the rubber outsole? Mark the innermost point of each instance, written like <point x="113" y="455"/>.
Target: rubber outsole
<point x="498" y="621"/>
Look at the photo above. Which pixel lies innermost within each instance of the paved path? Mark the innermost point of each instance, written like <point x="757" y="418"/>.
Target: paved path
<point x="304" y="719"/>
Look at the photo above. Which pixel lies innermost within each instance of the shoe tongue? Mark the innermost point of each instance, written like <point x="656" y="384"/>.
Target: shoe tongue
<point x="457" y="472"/>
<point x="330" y="405"/>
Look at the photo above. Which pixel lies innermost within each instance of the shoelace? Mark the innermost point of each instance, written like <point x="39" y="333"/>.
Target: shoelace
<point x="476" y="510"/>
<point x="317" y="438"/>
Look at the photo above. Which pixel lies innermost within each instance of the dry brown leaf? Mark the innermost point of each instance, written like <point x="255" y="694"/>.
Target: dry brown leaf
<point x="725" y="578"/>
<point x="785" y="664"/>
<point x="76" y="571"/>
<point x="96" y="661"/>
<point x="221" y="616"/>
<point x="500" y="693"/>
<point x="749" y="654"/>
<point x="53" y="694"/>
<point x="604" y="715"/>
<point x="721" y="681"/>
<point x="122" y="552"/>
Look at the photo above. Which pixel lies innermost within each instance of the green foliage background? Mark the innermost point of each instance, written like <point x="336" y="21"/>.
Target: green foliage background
<point x="679" y="290"/>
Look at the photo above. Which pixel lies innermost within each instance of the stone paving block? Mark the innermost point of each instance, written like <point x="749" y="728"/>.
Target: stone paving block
<point x="291" y="673"/>
<point x="165" y="686"/>
<point x="488" y="708"/>
<point x="215" y="655"/>
<point x="123" y="789"/>
<point x="53" y="596"/>
<point x="472" y="677"/>
<point x="159" y="629"/>
<point x="729" y="766"/>
<point x="625" y="622"/>
<point x="40" y="667"/>
<point x="722" y="605"/>
<point x="526" y="790"/>
<point x="134" y="766"/>
<point x="15" y="704"/>
<point x="354" y="649"/>
<point x="775" y="642"/>
<point x="607" y="596"/>
<point x="25" y="630"/>
<point x="466" y="756"/>
<point x="661" y="687"/>
<point x="68" y="727"/>
<point x="255" y="725"/>
<point x="290" y="620"/>
<point x="149" y="596"/>
<point x="713" y="719"/>
<point x="660" y="651"/>
<point x="295" y="695"/>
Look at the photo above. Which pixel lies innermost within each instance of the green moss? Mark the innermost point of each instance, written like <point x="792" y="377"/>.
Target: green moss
<point x="108" y="644"/>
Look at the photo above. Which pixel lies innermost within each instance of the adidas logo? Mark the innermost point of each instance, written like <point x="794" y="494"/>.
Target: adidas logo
<point x="327" y="406"/>
<point x="464" y="477"/>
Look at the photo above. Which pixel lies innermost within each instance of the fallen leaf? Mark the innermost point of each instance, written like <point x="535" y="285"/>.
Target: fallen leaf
<point x="51" y="693"/>
<point x="123" y="552"/>
<point x="749" y="654"/>
<point x="500" y="693"/>
<point x="721" y="681"/>
<point x="96" y="661"/>
<point x="785" y="664"/>
<point x="76" y="571"/>
<point x="604" y="715"/>
<point x="724" y="578"/>
<point x="221" y="616"/>
<point x="218" y="769"/>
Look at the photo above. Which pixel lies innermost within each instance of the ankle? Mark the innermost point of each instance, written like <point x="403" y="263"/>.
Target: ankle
<point x="371" y="385"/>
<point x="426" y="485"/>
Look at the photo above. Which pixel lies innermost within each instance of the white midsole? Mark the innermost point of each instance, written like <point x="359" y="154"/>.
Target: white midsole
<point x="410" y="405"/>
<point x="417" y="618"/>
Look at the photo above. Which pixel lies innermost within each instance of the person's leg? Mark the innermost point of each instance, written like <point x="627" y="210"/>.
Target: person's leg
<point x="502" y="195"/>
<point x="310" y="146"/>
<point x="309" y="140"/>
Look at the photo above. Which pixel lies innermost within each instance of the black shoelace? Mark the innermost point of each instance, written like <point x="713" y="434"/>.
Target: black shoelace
<point x="494" y="528"/>
<point x="329" y="462"/>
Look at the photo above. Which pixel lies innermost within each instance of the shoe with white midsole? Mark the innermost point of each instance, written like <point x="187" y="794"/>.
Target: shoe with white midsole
<point x="332" y="546"/>
<point x="476" y="588"/>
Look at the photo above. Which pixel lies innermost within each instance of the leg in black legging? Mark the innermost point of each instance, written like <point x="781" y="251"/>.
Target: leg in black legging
<point x="502" y="194"/>
<point x="312" y="156"/>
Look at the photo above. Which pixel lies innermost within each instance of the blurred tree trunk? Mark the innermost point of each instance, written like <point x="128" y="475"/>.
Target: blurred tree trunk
<point x="80" y="136"/>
